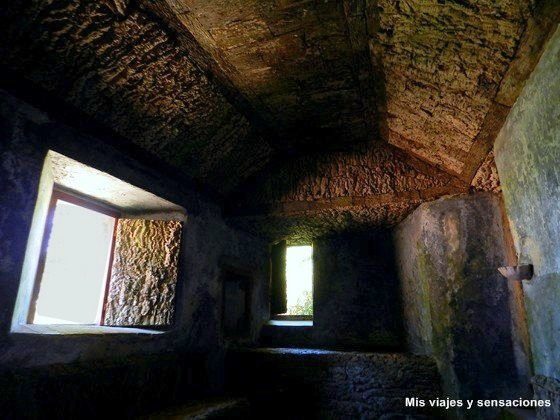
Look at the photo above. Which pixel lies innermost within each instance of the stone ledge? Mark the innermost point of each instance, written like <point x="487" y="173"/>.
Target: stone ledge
<point x="285" y="323"/>
<point x="78" y="330"/>
<point x="316" y="383"/>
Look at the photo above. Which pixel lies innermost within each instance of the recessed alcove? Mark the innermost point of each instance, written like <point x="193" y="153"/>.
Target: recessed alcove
<point x="237" y="303"/>
<point x="76" y="206"/>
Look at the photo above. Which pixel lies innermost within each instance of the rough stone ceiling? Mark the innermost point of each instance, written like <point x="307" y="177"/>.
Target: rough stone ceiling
<point x="224" y="91"/>
<point x="425" y="72"/>
<point x="132" y="75"/>
<point x="443" y="63"/>
<point x="303" y="65"/>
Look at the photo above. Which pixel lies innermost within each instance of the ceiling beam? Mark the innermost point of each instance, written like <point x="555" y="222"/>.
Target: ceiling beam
<point x="484" y="141"/>
<point x="295" y="208"/>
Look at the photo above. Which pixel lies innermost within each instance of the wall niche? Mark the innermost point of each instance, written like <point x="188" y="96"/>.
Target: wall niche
<point x="236" y="305"/>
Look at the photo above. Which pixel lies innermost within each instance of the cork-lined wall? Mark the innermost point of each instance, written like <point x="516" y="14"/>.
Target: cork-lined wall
<point x="144" y="273"/>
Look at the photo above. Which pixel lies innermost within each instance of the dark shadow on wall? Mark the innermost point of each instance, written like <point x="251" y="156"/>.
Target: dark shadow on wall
<point x="457" y="305"/>
<point x="356" y="297"/>
<point x="357" y="293"/>
<point x="123" y="387"/>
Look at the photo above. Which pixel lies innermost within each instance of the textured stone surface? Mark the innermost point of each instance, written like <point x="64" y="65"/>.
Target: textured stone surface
<point x="368" y="186"/>
<point x="456" y="303"/>
<point x="356" y="292"/>
<point x="27" y="134"/>
<point x="442" y="63"/>
<point x="527" y="154"/>
<point x="144" y="273"/>
<point x="487" y="177"/>
<point x="287" y="76"/>
<point x="547" y="389"/>
<point x="130" y="74"/>
<point x="304" y="227"/>
<point x="326" y="384"/>
<point x="304" y="66"/>
<point x="315" y="71"/>
<point x="365" y="171"/>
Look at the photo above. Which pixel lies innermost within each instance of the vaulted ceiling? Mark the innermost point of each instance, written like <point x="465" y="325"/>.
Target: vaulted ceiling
<point x="304" y="66"/>
<point x="331" y="72"/>
<point x="339" y="112"/>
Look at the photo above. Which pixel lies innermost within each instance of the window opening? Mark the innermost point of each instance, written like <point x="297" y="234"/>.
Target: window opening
<point x="76" y="259"/>
<point x="299" y="280"/>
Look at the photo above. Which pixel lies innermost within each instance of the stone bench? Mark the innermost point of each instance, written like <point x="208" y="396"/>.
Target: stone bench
<point x="308" y="383"/>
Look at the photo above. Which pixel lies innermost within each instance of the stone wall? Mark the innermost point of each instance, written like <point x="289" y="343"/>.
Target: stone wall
<point x="366" y="170"/>
<point x="144" y="273"/>
<point x="456" y="303"/>
<point x="362" y="188"/>
<point x="527" y="154"/>
<point x="118" y="388"/>
<point x="356" y="295"/>
<point x="27" y="134"/>
<point x="304" y="384"/>
<point x="547" y="388"/>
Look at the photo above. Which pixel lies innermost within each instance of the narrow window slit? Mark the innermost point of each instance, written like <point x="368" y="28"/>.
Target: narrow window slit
<point x="291" y="282"/>
<point x="299" y="280"/>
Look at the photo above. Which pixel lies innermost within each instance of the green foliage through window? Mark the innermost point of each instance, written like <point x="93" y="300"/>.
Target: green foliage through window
<point x="299" y="280"/>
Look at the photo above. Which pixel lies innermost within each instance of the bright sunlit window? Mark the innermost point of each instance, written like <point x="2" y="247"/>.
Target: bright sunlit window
<point x="71" y="286"/>
<point x="299" y="280"/>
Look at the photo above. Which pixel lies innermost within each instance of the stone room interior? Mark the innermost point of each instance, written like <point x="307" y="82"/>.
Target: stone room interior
<point x="280" y="209"/>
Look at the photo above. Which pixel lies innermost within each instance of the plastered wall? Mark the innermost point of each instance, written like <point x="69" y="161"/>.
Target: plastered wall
<point x="527" y="154"/>
<point x="456" y="304"/>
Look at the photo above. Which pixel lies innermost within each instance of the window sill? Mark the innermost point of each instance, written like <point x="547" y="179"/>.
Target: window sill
<point x="285" y="317"/>
<point x="78" y="330"/>
<point x="290" y="323"/>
